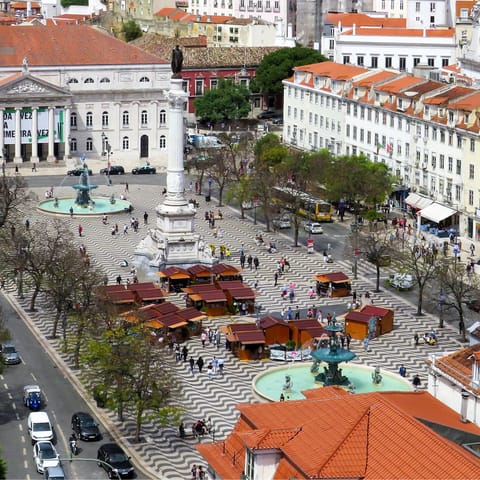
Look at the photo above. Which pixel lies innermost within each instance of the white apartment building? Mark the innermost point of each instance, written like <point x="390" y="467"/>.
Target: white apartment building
<point x="427" y="132"/>
<point x="61" y="98"/>
<point x="271" y="11"/>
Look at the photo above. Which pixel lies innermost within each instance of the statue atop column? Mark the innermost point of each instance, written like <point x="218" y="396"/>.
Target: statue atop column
<point x="476" y="13"/>
<point x="177" y="62"/>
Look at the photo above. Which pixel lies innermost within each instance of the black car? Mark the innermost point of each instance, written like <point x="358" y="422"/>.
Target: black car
<point x="144" y="170"/>
<point x="113" y="170"/>
<point x="85" y="426"/>
<point x="277" y="120"/>
<point x="118" y="463"/>
<point x="76" y="172"/>
<point x="267" y="114"/>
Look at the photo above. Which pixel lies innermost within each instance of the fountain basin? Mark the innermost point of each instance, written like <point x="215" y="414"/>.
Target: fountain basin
<point x="268" y="385"/>
<point x="103" y="206"/>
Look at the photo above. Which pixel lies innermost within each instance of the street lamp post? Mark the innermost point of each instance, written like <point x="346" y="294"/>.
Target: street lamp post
<point x="354" y="228"/>
<point x="441" y="300"/>
<point x="255" y="205"/>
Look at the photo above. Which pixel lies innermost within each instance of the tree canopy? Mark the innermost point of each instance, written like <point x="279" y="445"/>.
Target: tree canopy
<point x="131" y="30"/>
<point x="229" y="101"/>
<point x="278" y="66"/>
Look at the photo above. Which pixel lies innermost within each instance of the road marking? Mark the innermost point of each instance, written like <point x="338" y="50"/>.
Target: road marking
<point x="17" y="416"/>
<point x="25" y="464"/>
<point x="10" y="396"/>
<point x="20" y="427"/>
<point x="14" y="406"/>
<point x="5" y="386"/>
<point x="23" y="439"/>
<point x="2" y="377"/>
<point x="24" y="450"/>
<point x="34" y="377"/>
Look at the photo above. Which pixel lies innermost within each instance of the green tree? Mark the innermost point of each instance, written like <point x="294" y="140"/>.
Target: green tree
<point x="3" y="469"/>
<point x="300" y="173"/>
<point x="277" y="66"/>
<point x="13" y="194"/>
<point x="229" y="101"/>
<point x="131" y="30"/>
<point x="133" y="374"/>
<point x="459" y="288"/>
<point x="269" y="155"/>
<point x="358" y="181"/>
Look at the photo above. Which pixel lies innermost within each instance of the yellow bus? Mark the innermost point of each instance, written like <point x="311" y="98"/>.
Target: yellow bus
<point x="305" y="205"/>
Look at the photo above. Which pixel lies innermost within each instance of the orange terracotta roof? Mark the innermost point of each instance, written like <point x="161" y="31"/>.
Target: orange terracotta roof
<point x="399" y="84"/>
<point x="364" y="436"/>
<point x="401" y="32"/>
<point x="48" y="45"/>
<point x="336" y="71"/>
<point x="10" y="78"/>
<point x="447" y="95"/>
<point x="461" y="4"/>
<point x="421" y="88"/>
<point x="459" y="365"/>
<point x="375" y="77"/>
<point x="361" y="19"/>
<point x="467" y="103"/>
<point x="23" y="5"/>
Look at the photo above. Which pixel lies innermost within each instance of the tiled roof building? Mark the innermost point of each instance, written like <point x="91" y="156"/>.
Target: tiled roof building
<point x="69" y="90"/>
<point x="333" y="434"/>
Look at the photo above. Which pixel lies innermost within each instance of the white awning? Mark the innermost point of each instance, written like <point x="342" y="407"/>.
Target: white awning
<point x="437" y="212"/>
<point x="418" y="201"/>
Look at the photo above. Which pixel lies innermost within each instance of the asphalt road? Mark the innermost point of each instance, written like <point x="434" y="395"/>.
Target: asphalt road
<point x="61" y="401"/>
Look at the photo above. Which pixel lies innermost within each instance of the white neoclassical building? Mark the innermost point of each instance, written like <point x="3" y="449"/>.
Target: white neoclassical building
<point x="427" y="132"/>
<point x="75" y="91"/>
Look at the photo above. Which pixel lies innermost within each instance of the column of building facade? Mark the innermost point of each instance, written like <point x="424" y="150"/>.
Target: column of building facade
<point x="136" y="128"/>
<point x="34" y="158"/>
<point x="51" y="135"/>
<point x="117" y="129"/>
<point x="2" y="139"/>
<point x="66" y="132"/>
<point x="18" y="136"/>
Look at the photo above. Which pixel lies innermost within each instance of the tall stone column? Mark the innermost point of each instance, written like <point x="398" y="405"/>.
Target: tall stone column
<point x="34" y="157"/>
<point x="18" y="136"/>
<point x="51" y="135"/>
<point x="176" y="145"/>
<point x="2" y="138"/>
<point x="67" y="134"/>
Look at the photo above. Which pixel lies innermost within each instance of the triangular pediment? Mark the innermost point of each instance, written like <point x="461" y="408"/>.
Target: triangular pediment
<point x="26" y="85"/>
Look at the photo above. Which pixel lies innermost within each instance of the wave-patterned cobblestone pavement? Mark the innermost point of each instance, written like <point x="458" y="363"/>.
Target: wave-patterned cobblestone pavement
<point x="162" y="450"/>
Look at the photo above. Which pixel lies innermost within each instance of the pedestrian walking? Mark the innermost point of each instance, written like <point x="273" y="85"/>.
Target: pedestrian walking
<point x="125" y="229"/>
<point x="275" y="279"/>
<point x="34" y="167"/>
<point x="214" y="365"/>
<point x="192" y="364"/>
<point x="126" y="186"/>
<point x="291" y="295"/>
<point x="119" y="280"/>
<point x="221" y="364"/>
<point x="113" y="231"/>
<point x="249" y="261"/>
<point x="402" y="371"/>
<point x="472" y="249"/>
<point x="193" y="471"/>
<point x="27" y="224"/>
<point x="256" y="263"/>
<point x="416" y="382"/>
<point x="242" y="260"/>
<point x="184" y="353"/>
<point x="415" y="339"/>
<point x="203" y="338"/>
<point x="178" y="353"/>
<point x="80" y="230"/>
<point x="145" y="218"/>
<point x="209" y="371"/>
<point x="116" y="228"/>
<point x="349" y="339"/>
<point x="289" y="313"/>
<point x="366" y="342"/>
<point x="297" y="313"/>
<point x="311" y="293"/>
<point x="200" y="364"/>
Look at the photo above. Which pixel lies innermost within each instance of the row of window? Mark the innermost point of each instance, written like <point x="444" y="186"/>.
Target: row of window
<point x="388" y="60"/>
<point x="125" y="119"/>
<point x="259" y="4"/>
<point x="125" y="145"/>
<point x="103" y="80"/>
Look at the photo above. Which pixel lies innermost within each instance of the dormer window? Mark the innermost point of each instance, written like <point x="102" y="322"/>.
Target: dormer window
<point x="73" y="80"/>
<point x="105" y="80"/>
<point x="377" y="97"/>
<point x="144" y="80"/>
<point x="355" y="91"/>
<point x="427" y="110"/>
<point x="465" y="118"/>
<point x="450" y="116"/>
<point x="88" y="80"/>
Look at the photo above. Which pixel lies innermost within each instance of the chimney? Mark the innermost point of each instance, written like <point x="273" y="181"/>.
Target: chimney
<point x="354" y="28"/>
<point x="424" y="32"/>
<point x="464" y="406"/>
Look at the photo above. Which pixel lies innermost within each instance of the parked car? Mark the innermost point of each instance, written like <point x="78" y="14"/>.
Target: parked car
<point x="267" y="114"/>
<point x="39" y="427"/>
<point x="85" y="426"/>
<point x="313" y="227"/>
<point x="144" y="170"/>
<point x="10" y="354"/>
<point x="32" y="397"/>
<point x="113" y="170"/>
<point x="54" y="473"/>
<point x="284" y="221"/>
<point x="277" y="121"/>
<point x="77" y="171"/>
<point x="474" y="305"/>
<point x="45" y="455"/>
<point x="117" y="464"/>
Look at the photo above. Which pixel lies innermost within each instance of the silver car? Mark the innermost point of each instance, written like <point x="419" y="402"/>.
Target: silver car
<point x="10" y="354"/>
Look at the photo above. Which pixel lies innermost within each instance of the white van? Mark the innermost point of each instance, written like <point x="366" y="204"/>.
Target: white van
<point x="39" y="427"/>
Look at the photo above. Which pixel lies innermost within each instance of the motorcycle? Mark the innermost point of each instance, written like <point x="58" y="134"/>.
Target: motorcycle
<point x="73" y="446"/>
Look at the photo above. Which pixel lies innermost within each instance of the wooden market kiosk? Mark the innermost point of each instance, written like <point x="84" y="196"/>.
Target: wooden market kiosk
<point x="369" y="321"/>
<point x="207" y="298"/>
<point x="174" y="278"/>
<point x="247" y="341"/>
<point x="334" y="284"/>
